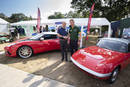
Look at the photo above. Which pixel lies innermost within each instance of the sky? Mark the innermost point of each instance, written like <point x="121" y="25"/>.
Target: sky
<point x="29" y="7"/>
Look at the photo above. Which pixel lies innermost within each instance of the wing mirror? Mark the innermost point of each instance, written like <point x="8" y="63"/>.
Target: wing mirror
<point x="41" y="39"/>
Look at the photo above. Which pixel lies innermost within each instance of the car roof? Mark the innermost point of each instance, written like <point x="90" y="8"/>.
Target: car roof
<point x="118" y="39"/>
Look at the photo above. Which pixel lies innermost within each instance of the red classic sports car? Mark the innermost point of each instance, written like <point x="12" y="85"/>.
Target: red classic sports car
<point x="46" y="41"/>
<point x="104" y="60"/>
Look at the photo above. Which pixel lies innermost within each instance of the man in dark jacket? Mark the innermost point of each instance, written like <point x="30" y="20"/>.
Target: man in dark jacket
<point x="63" y="35"/>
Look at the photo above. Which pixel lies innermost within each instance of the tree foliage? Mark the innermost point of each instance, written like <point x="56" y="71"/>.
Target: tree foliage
<point x="56" y="15"/>
<point x="19" y="17"/>
<point x="16" y="17"/>
<point x="111" y="9"/>
<point x="70" y="14"/>
<point x="2" y="15"/>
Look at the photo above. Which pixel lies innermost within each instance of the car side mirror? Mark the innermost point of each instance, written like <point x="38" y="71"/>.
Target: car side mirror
<point x="41" y="39"/>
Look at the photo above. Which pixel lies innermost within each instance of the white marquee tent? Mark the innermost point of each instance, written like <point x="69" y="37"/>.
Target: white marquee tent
<point x="3" y="26"/>
<point x="34" y="22"/>
<point x="95" y="22"/>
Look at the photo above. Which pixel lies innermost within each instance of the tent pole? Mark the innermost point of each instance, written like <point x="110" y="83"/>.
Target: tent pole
<point x="81" y="41"/>
<point x="109" y="31"/>
<point x="100" y="31"/>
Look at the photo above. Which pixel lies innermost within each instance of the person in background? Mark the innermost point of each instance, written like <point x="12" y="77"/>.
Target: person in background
<point x="46" y="28"/>
<point x="63" y="36"/>
<point x="43" y="29"/>
<point x="74" y="39"/>
<point x="40" y="29"/>
<point x="35" y="31"/>
<point x="12" y="32"/>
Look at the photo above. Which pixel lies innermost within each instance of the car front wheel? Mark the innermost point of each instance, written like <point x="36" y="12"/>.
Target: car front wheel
<point x="114" y="75"/>
<point x="25" y="52"/>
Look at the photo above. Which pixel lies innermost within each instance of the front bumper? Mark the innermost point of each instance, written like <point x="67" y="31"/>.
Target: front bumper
<point x="10" y="52"/>
<point x="100" y="75"/>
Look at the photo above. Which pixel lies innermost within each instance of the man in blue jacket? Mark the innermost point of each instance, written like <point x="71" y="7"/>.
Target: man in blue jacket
<point x="63" y="36"/>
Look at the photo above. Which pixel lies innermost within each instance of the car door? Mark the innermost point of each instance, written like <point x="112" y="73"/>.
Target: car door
<point x="55" y="44"/>
<point x="40" y="45"/>
<point x="53" y="41"/>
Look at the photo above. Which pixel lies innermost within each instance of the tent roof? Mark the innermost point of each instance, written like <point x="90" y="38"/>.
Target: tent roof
<point x="2" y="21"/>
<point x="84" y="21"/>
<point x="34" y="22"/>
<point x="78" y="21"/>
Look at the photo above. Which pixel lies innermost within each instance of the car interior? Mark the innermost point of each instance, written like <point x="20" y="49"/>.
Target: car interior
<point x="49" y="36"/>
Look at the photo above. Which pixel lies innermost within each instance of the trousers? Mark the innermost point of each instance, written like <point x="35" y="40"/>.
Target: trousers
<point x="64" y="49"/>
<point x="73" y="46"/>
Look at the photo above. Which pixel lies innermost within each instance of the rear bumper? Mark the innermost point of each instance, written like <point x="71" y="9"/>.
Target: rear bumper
<point x="100" y="75"/>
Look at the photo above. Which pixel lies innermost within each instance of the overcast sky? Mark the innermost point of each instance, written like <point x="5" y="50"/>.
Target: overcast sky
<point x="29" y="7"/>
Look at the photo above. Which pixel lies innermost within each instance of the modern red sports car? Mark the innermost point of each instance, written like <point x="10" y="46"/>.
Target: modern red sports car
<point x="104" y="60"/>
<point x="46" y="41"/>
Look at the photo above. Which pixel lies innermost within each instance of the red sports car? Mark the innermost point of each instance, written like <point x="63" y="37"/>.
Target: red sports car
<point x="46" y="41"/>
<point x="104" y="60"/>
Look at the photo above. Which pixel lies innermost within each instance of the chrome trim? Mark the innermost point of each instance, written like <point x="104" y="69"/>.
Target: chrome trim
<point x="89" y="70"/>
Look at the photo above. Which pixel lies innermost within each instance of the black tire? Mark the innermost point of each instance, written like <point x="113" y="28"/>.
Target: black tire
<point x="114" y="75"/>
<point x="25" y="52"/>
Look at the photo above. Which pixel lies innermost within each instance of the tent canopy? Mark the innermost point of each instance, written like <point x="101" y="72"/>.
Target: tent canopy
<point x="95" y="22"/>
<point x="2" y="21"/>
<point x="84" y="21"/>
<point x="78" y="21"/>
<point x="3" y="26"/>
<point x="34" y="22"/>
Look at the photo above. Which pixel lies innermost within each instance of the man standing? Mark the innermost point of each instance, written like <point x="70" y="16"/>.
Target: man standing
<point x="74" y="39"/>
<point x="63" y="35"/>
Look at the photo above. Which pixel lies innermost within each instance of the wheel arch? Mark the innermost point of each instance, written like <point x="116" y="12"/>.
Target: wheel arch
<point x="22" y="46"/>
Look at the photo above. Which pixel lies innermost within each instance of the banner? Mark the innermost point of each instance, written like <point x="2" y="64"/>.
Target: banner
<point x="89" y="20"/>
<point x="38" y="20"/>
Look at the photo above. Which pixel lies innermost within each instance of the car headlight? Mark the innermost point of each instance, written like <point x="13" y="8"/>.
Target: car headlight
<point x="11" y="44"/>
<point x="101" y="68"/>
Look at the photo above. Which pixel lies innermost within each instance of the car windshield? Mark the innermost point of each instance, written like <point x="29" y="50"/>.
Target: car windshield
<point x="126" y="32"/>
<point x="36" y="37"/>
<point x="113" y="45"/>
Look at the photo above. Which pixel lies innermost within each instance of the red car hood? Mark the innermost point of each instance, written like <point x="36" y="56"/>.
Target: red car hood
<point x="21" y="39"/>
<point x="94" y="56"/>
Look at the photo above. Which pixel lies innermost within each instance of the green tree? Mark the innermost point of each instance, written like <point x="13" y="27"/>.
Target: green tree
<point x="111" y="9"/>
<point x="3" y="16"/>
<point x="19" y="17"/>
<point x="56" y="15"/>
<point x="72" y="14"/>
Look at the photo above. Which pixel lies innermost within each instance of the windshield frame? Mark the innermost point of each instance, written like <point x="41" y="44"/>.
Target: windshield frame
<point x="37" y="37"/>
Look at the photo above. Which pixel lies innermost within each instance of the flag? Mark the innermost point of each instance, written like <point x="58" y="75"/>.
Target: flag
<point x="89" y="20"/>
<point x="38" y="20"/>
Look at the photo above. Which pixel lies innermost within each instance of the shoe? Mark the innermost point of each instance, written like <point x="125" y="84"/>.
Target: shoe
<point x="62" y="59"/>
<point x="70" y="61"/>
<point x="66" y="60"/>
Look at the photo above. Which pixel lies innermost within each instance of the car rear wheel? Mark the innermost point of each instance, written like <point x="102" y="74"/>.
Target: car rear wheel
<point x="114" y="75"/>
<point x="25" y="52"/>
